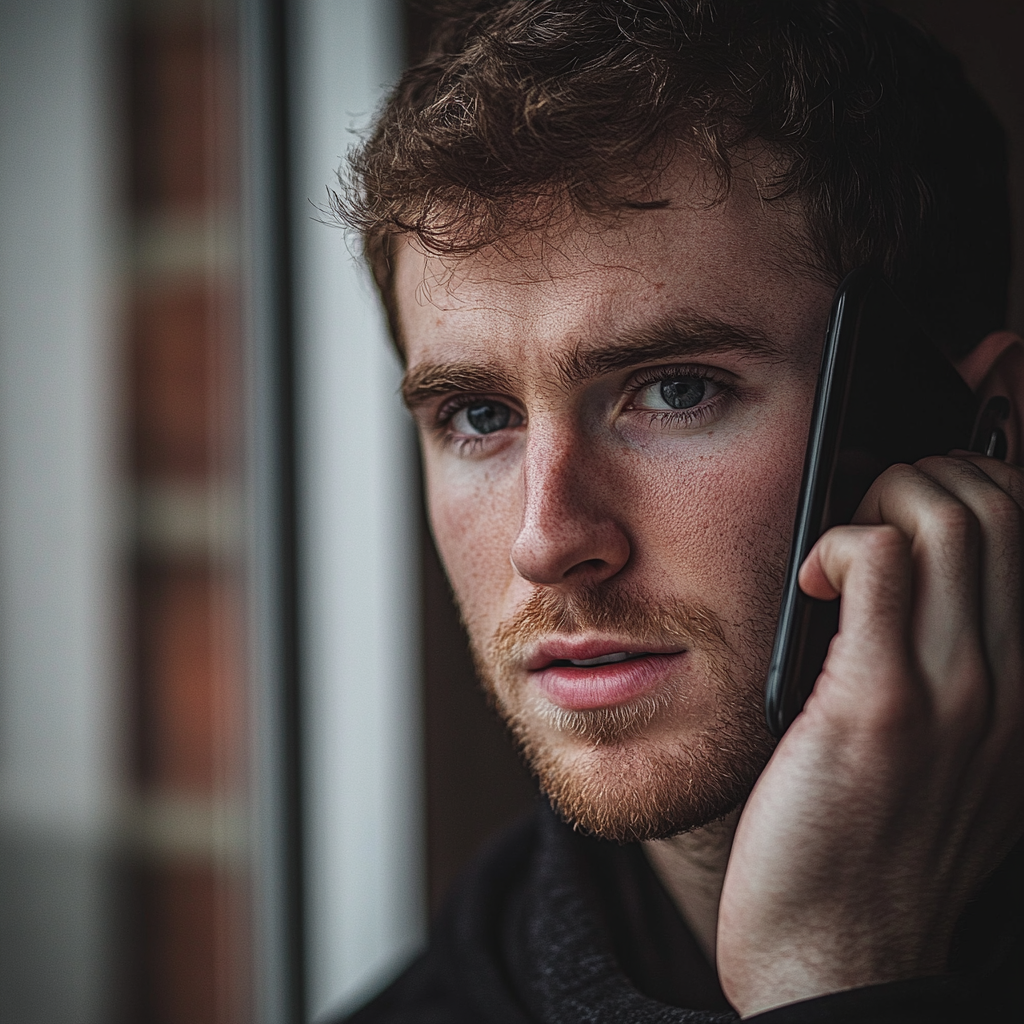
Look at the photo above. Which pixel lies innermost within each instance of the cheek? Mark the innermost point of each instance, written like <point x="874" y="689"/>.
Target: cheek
<point x="718" y="528"/>
<point x="473" y="517"/>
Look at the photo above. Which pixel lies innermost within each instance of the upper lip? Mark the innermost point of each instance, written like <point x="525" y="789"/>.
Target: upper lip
<point x="584" y="649"/>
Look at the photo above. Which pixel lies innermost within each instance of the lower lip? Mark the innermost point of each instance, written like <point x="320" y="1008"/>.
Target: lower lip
<point x="602" y="686"/>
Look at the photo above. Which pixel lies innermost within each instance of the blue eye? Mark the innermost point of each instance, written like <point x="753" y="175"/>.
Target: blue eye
<point x="482" y="418"/>
<point x="680" y="392"/>
<point x="683" y="392"/>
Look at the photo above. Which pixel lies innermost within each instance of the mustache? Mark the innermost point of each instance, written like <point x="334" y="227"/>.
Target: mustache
<point x="633" y="615"/>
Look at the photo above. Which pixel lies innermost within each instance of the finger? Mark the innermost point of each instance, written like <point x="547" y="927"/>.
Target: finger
<point x="987" y="487"/>
<point x="1004" y="629"/>
<point x="1009" y="478"/>
<point x="815" y="580"/>
<point x="869" y="670"/>
<point x="944" y="537"/>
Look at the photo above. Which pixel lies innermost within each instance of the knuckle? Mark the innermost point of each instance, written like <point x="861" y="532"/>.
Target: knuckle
<point x="1000" y="511"/>
<point x="884" y="545"/>
<point x="1015" y="484"/>
<point x="933" y="464"/>
<point x="891" y="477"/>
<point x="897" y="473"/>
<point x="953" y="523"/>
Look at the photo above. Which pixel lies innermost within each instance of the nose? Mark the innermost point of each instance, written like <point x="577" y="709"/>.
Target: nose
<point x="568" y="531"/>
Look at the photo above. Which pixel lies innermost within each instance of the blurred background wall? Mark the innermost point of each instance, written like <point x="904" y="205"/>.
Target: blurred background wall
<point x="359" y="551"/>
<point x="63" y="742"/>
<point x="156" y="175"/>
<point x="242" y="750"/>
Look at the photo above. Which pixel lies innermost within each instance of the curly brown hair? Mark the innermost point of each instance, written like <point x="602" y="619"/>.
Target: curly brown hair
<point x="894" y="158"/>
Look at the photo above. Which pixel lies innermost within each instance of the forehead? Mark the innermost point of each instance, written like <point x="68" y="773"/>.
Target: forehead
<point x="740" y="261"/>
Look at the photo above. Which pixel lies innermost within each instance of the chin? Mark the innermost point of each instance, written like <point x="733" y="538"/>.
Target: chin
<point x="684" y="750"/>
<point x="637" y="786"/>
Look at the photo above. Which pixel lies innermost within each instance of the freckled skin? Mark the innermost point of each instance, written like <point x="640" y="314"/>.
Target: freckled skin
<point x="897" y="790"/>
<point x="582" y="491"/>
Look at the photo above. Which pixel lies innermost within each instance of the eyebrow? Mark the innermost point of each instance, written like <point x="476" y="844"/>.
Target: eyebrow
<point x="675" y="336"/>
<point x="429" y="380"/>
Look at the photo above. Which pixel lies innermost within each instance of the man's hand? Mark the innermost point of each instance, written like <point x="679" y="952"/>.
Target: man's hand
<point x="901" y="785"/>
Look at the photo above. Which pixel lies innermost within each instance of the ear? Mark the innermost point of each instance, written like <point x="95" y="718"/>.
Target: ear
<point x="996" y="367"/>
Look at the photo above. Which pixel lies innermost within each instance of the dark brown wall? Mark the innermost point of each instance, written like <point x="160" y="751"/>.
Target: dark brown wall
<point x="988" y="36"/>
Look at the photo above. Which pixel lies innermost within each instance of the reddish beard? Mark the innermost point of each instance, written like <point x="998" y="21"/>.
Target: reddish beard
<point x="622" y="772"/>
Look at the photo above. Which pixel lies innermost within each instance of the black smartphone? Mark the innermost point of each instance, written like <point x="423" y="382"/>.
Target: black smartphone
<point x="886" y="394"/>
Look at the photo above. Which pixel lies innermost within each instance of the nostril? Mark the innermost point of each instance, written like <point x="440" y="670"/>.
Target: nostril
<point x="590" y="564"/>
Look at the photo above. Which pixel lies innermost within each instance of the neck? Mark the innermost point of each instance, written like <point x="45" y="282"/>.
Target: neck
<point x="692" y="866"/>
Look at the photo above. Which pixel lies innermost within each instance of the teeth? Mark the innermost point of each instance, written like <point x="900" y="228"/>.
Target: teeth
<point x="605" y="659"/>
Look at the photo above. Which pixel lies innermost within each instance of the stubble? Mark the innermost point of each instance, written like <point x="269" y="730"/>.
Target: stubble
<point x="667" y="762"/>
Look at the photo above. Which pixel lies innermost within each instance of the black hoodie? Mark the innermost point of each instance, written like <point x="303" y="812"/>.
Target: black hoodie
<point x="554" y="927"/>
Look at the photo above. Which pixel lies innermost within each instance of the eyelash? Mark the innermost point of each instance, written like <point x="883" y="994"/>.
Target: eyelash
<point x="695" y="417"/>
<point x="468" y="444"/>
<point x="464" y="444"/>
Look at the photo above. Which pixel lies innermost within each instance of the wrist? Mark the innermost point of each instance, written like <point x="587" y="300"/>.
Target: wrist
<point x="811" y="971"/>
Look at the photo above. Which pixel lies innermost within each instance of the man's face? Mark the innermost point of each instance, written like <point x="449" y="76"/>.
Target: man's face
<point x="613" y="421"/>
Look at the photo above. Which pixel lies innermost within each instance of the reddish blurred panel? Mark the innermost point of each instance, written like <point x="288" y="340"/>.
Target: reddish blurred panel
<point x="189" y="650"/>
<point x="185" y="379"/>
<point x="193" y="929"/>
<point x="182" y="113"/>
<point x="188" y="953"/>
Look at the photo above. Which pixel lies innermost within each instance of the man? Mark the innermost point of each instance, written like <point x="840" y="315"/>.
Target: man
<point x="607" y="235"/>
